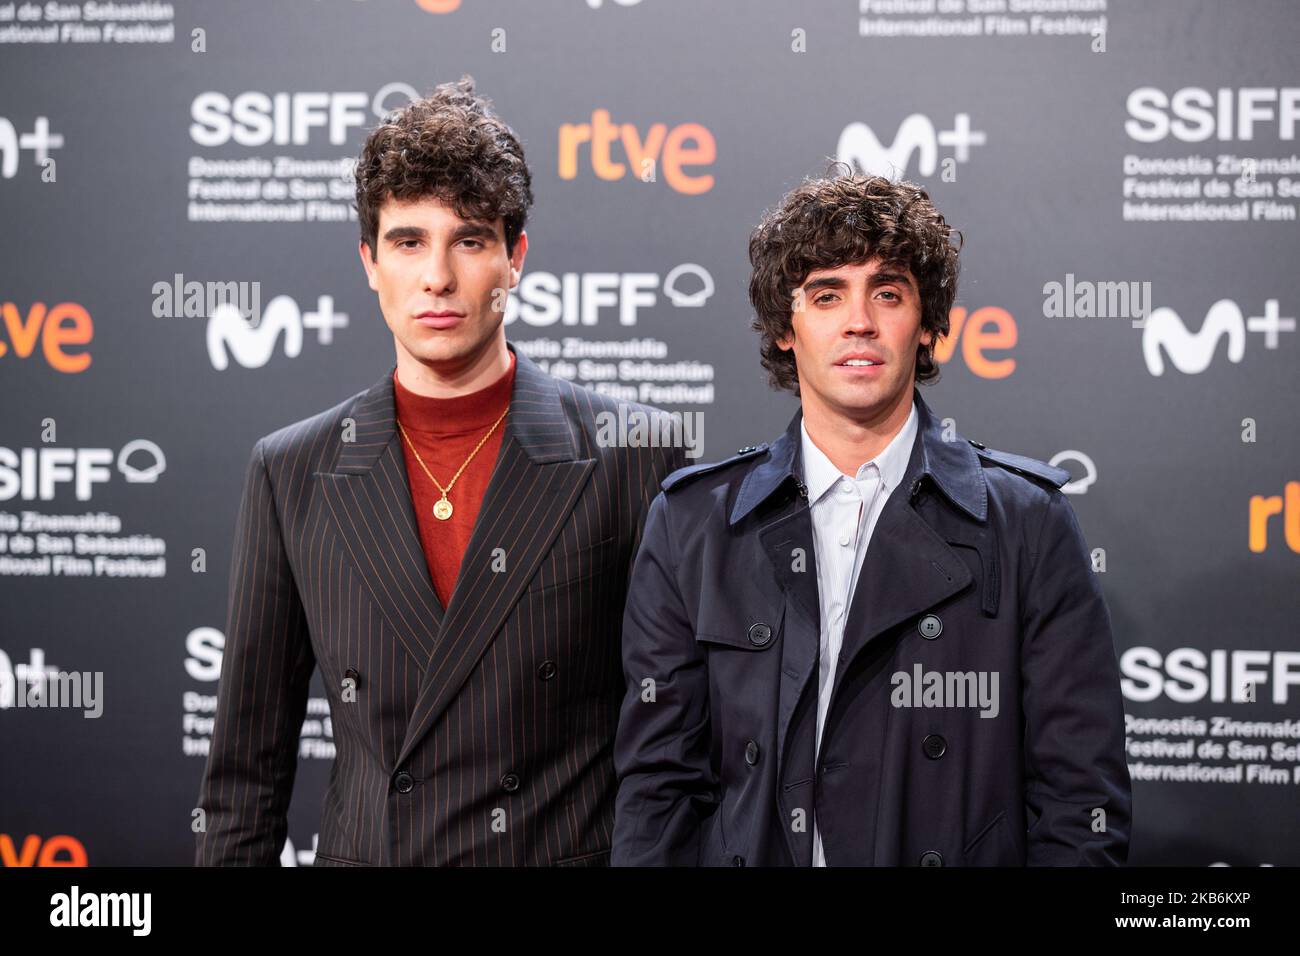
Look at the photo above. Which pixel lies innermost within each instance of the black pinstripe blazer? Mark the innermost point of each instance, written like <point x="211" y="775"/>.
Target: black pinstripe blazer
<point x="481" y="733"/>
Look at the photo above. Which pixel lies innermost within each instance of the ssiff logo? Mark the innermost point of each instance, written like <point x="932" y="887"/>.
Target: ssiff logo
<point x="254" y="118"/>
<point x="35" y="474"/>
<point x="860" y="148"/>
<point x="544" y="298"/>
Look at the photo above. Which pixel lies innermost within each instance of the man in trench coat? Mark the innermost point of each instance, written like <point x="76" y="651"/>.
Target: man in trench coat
<point x="958" y="704"/>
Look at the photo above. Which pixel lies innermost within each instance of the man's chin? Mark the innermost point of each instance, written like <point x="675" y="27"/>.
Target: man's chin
<point x="444" y="349"/>
<point x="439" y="349"/>
<point x="866" y="402"/>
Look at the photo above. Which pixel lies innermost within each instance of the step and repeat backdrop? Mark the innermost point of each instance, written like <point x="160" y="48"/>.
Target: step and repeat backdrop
<point x="1125" y="175"/>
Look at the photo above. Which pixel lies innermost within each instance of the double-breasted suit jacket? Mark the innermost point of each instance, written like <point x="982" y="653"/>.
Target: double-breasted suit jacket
<point x="479" y="733"/>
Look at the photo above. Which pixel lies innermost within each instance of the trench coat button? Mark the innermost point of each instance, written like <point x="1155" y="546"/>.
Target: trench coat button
<point x="978" y="444"/>
<point x="760" y="634"/>
<point x="403" y="782"/>
<point x="510" y="782"/>
<point x="916" y="489"/>
<point x="934" y="746"/>
<point x="547" y="670"/>
<point x="751" y="753"/>
<point x="737" y="861"/>
<point x="746" y="450"/>
<point x="932" y="858"/>
<point x="930" y="627"/>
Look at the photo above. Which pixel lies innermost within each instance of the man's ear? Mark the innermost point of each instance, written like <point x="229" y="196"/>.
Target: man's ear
<point x="367" y="264"/>
<point x="927" y="338"/>
<point x="517" y="259"/>
<point x="786" y="342"/>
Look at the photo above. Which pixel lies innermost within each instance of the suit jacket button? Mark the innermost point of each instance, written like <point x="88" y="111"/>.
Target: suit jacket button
<point x="934" y="746"/>
<point x="547" y="670"/>
<point x="760" y="634"/>
<point x="404" y="782"/>
<point x="932" y="858"/>
<point x="510" y="782"/>
<point x="930" y="627"/>
<point x="751" y="753"/>
<point x="737" y="861"/>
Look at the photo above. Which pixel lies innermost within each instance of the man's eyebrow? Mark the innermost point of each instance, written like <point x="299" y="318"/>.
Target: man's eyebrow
<point x="825" y="282"/>
<point x="474" y="230"/>
<point x="398" y="233"/>
<point x="468" y="230"/>
<point x="886" y="278"/>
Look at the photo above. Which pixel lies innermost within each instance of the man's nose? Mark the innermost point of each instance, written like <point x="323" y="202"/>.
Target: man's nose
<point x="438" y="277"/>
<point x="861" y="319"/>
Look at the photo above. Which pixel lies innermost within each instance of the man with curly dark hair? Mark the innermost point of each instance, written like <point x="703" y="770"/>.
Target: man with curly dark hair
<point x="450" y="548"/>
<point x="871" y="642"/>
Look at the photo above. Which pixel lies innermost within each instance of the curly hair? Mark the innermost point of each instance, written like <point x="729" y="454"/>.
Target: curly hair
<point x="828" y="222"/>
<point x="452" y="146"/>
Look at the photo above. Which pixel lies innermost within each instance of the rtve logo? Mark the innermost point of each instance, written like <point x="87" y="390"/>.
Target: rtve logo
<point x="65" y="324"/>
<point x="985" y="329"/>
<point x="253" y="118"/>
<point x="859" y="147"/>
<point x="39" y="852"/>
<point x="40" y="141"/>
<point x="660" y="150"/>
<point x="1262" y="508"/>
<point x="230" y="335"/>
<point x="1192" y="352"/>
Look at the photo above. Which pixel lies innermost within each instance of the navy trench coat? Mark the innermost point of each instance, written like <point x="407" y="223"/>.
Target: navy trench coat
<point x="976" y="567"/>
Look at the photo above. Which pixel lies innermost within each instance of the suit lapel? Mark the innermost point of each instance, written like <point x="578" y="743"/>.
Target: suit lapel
<point x="909" y="567"/>
<point x="369" y="501"/>
<point x="534" y="486"/>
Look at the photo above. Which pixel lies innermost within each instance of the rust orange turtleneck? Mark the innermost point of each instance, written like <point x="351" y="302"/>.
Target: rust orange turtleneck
<point x="445" y="431"/>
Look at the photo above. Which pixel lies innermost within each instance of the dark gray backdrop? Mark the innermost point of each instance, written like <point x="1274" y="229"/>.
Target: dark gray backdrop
<point x="1040" y="194"/>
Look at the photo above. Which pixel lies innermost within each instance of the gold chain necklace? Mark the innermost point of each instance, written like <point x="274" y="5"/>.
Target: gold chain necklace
<point x="442" y="508"/>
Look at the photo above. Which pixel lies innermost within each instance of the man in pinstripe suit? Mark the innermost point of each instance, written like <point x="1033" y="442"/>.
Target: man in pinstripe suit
<point x="469" y="650"/>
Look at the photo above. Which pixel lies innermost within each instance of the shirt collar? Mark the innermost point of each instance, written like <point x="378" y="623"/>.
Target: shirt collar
<point x="950" y="461"/>
<point x="820" y="473"/>
<point x="459" y="415"/>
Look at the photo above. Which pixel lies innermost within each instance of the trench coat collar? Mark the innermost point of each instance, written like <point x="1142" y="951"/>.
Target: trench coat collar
<point x="953" y="465"/>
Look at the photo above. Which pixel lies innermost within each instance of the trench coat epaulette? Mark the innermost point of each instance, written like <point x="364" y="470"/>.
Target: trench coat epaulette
<point x="682" y="475"/>
<point x="1029" y="467"/>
